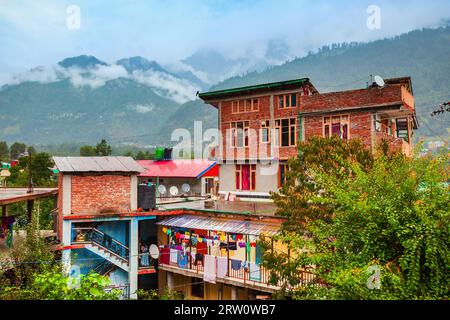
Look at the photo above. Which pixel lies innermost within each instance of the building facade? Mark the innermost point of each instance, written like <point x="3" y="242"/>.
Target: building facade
<point x="261" y="126"/>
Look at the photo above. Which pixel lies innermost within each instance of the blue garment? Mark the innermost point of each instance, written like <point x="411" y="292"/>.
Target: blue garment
<point x="258" y="254"/>
<point x="145" y="262"/>
<point x="236" y="264"/>
<point x="182" y="260"/>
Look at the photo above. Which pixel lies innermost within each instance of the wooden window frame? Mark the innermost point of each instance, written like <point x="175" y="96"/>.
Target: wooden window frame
<point x="285" y="101"/>
<point x="252" y="177"/>
<point x="286" y="169"/>
<point x="265" y="125"/>
<point x="234" y="134"/>
<point x="328" y="121"/>
<point x="245" y="105"/>
<point x="292" y="126"/>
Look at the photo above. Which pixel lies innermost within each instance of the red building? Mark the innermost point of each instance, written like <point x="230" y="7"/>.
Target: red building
<point x="261" y="125"/>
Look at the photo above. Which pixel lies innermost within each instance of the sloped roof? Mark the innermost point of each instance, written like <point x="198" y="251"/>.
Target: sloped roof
<point x="221" y="224"/>
<point x="280" y="85"/>
<point x="178" y="168"/>
<point x="97" y="164"/>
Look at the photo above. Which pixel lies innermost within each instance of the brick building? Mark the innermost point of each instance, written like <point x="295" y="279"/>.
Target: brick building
<point x="261" y="125"/>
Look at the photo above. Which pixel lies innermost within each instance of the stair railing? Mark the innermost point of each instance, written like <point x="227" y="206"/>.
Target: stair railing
<point x="95" y="236"/>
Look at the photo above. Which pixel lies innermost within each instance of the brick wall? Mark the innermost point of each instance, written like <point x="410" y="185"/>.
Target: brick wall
<point x="351" y="99"/>
<point x="360" y="126"/>
<point x="96" y="194"/>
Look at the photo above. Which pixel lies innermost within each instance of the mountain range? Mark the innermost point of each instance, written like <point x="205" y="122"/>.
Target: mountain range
<point x="138" y="101"/>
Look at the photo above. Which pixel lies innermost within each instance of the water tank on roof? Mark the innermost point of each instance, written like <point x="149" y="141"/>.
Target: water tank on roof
<point x="159" y="153"/>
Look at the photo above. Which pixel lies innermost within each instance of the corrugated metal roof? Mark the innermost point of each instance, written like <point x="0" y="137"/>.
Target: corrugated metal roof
<point x="178" y="168"/>
<point x="97" y="164"/>
<point x="220" y="224"/>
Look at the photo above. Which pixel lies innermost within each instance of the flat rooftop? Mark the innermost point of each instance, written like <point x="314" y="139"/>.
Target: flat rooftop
<point x="14" y="195"/>
<point x="222" y="206"/>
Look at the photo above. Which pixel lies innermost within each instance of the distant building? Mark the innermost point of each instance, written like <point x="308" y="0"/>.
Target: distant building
<point x="182" y="177"/>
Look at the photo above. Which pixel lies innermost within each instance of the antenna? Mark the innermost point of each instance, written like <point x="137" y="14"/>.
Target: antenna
<point x="379" y="81"/>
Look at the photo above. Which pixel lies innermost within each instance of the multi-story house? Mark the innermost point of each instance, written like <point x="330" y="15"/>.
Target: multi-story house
<point x="261" y="125"/>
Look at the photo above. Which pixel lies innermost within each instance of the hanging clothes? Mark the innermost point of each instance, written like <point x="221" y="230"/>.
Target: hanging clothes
<point x="222" y="267"/>
<point x="255" y="272"/>
<point x="236" y="264"/>
<point x="209" y="272"/>
<point x="165" y="256"/>
<point x="198" y="259"/>
<point x="258" y="257"/>
<point x="174" y="256"/>
<point x="182" y="260"/>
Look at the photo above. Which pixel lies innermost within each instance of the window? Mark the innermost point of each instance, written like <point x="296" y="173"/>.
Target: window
<point x="245" y="105"/>
<point x="239" y="134"/>
<point x="246" y="177"/>
<point x="287" y="101"/>
<point x="265" y="131"/>
<point x="286" y="131"/>
<point x="283" y="169"/>
<point x="336" y="126"/>
<point x="197" y="288"/>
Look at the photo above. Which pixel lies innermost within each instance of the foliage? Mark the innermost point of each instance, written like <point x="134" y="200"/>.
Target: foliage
<point x="54" y="285"/>
<point x="16" y="149"/>
<point x="101" y="149"/>
<point x="41" y="174"/>
<point x="141" y="155"/>
<point x="4" y="151"/>
<point x="29" y="255"/>
<point x="166" y="294"/>
<point x="349" y="211"/>
<point x="88" y="151"/>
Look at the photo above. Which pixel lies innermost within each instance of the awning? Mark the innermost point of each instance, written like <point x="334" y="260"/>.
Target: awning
<point x="220" y="224"/>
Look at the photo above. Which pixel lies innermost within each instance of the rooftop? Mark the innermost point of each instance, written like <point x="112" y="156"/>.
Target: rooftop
<point x="179" y="168"/>
<point x="14" y="195"/>
<point x="281" y="85"/>
<point x="97" y="164"/>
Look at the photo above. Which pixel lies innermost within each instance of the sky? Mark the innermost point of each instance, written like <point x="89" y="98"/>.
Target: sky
<point x="36" y="33"/>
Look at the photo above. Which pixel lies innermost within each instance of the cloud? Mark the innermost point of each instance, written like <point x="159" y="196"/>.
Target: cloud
<point x="141" y="108"/>
<point x="179" y="90"/>
<point x="164" y="84"/>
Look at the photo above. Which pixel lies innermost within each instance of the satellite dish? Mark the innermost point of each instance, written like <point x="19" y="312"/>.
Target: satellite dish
<point x="186" y="187"/>
<point x="162" y="189"/>
<point x="154" y="251"/>
<point x="379" y="81"/>
<point x="173" y="190"/>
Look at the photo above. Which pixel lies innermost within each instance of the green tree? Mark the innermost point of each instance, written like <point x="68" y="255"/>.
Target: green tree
<point x="88" y="151"/>
<point x="352" y="216"/>
<point x="55" y="285"/>
<point x="40" y="168"/>
<point x="16" y="149"/>
<point x="103" y="148"/>
<point x="4" y="151"/>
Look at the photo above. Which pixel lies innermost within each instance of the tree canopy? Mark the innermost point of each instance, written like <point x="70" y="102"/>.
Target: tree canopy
<point x="367" y="226"/>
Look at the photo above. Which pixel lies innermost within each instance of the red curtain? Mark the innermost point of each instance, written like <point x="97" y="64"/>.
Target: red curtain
<point x="245" y="177"/>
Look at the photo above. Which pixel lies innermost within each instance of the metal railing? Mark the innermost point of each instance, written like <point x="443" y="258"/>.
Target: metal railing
<point x="125" y="291"/>
<point x="250" y="274"/>
<point x="95" y="236"/>
<point x="104" y="267"/>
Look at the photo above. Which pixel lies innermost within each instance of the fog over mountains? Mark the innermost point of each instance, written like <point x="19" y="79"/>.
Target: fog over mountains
<point x="135" y="100"/>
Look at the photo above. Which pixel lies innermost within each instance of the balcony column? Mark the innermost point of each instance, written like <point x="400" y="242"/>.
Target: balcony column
<point x="66" y="241"/>
<point x="169" y="280"/>
<point x="234" y="294"/>
<point x="133" y="258"/>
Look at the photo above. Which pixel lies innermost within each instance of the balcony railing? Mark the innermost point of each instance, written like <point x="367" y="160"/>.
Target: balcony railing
<point x="397" y="144"/>
<point x="256" y="276"/>
<point x="95" y="236"/>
